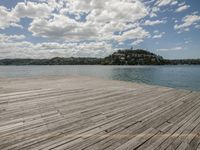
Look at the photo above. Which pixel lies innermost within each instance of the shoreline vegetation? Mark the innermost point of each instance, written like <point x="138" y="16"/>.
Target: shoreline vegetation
<point x="121" y="57"/>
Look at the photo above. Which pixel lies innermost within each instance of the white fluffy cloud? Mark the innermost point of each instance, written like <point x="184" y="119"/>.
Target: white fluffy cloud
<point x="7" y="38"/>
<point x="23" y="49"/>
<point x="62" y="27"/>
<point x="137" y="42"/>
<point x="182" y="8"/>
<point x="7" y="18"/>
<point x="154" y="22"/>
<point x="79" y="20"/>
<point x="31" y="10"/>
<point x="187" y="22"/>
<point x="135" y="34"/>
<point x="158" y="35"/>
<point x="178" y="48"/>
<point x="94" y="24"/>
<point x="93" y="20"/>
<point x="84" y="27"/>
<point x="166" y="2"/>
<point x="153" y="11"/>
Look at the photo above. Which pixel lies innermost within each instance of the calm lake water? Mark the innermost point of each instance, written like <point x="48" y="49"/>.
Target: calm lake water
<point x="183" y="77"/>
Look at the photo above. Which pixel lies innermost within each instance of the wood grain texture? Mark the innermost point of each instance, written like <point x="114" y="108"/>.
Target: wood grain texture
<point x="84" y="113"/>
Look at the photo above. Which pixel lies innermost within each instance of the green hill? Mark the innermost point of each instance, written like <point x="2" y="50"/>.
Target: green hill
<point x="133" y="57"/>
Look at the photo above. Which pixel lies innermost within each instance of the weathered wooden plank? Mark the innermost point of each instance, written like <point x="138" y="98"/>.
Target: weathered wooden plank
<point x="176" y="129"/>
<point x="94" y="114"/>
<point x="188" y="135"/>
<point x="138" y="140"/>
<point x="123" y="127"/>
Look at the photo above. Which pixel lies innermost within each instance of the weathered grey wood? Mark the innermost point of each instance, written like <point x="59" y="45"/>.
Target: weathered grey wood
<point x="178" y="119"/>
<point x="124" y="126"/>
<point x="176" y="129"/>
<point x="138" y="140"/>
<point x="76" y="113"/>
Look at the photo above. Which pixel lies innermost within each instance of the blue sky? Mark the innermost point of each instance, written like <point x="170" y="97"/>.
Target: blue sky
<point x="97" y="28"/>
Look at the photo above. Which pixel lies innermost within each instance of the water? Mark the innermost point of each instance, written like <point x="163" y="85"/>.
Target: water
<point x="182" y="77"/>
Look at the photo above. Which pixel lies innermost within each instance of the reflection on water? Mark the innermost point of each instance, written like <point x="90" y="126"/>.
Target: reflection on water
<point x="186" y="77"/>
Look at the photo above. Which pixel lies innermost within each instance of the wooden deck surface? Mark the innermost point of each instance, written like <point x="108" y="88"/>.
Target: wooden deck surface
<point x="76" y="113"/>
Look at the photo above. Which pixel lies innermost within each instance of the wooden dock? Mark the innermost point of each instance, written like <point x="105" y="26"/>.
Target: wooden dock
<point x="82" y="113"/>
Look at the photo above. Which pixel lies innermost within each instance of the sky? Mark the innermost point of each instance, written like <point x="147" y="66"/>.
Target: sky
<point x="97" y="28"/>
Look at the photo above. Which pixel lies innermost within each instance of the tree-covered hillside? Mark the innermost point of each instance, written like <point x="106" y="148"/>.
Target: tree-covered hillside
<point x="121" y="57"/>
<point x="133" y="57"/>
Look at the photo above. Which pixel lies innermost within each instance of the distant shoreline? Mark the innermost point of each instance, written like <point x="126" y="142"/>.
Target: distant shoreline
<point x="108" y="65"/>
<point x="47" y="62"/>
<point x="127" y="57"/>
